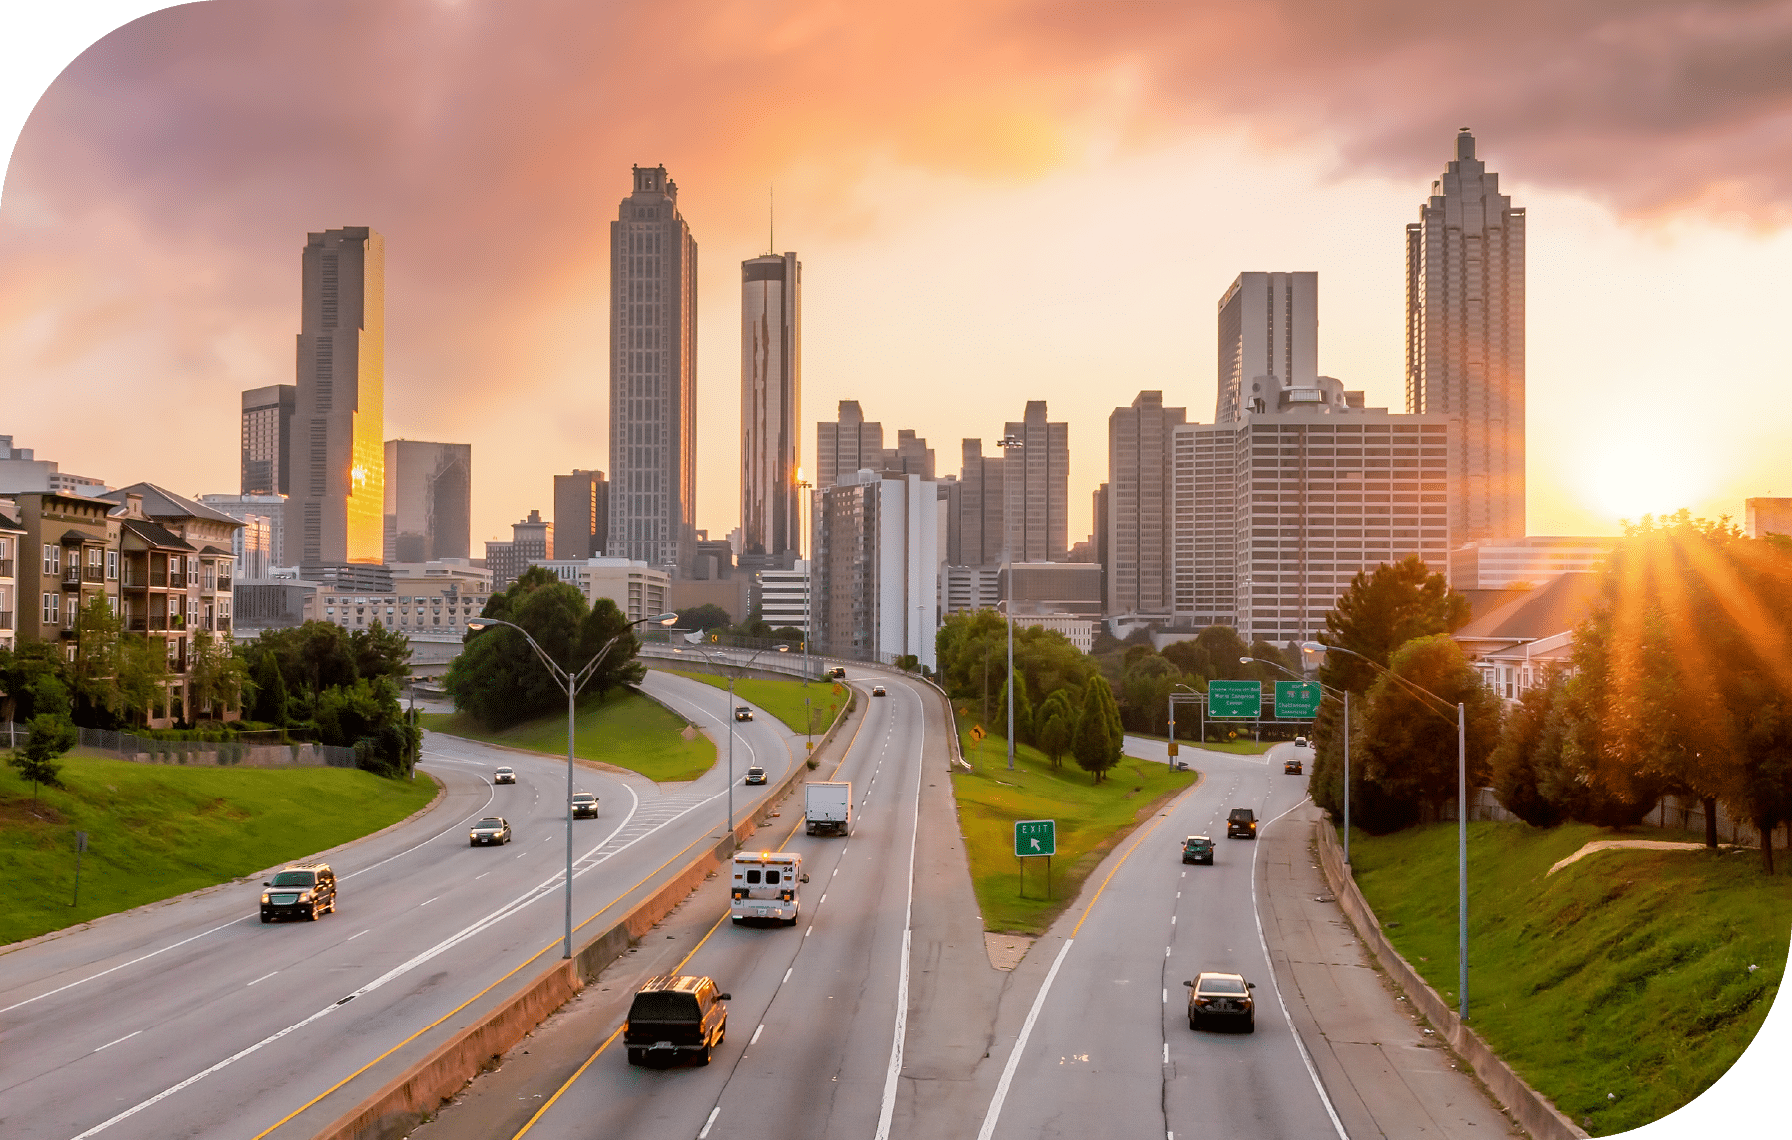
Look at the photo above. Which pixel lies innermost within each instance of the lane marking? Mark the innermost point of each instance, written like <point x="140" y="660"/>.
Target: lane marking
<point x="708" y="1123"/>
<point x="756" y="1033"/>
<point x="263" y="978"/>
<point x="122" y="965"/>
<point x="1166" y="1052"/>
<point x="427" y="901"/>
<point x="787" y="974"/>
<point x="887" y="1111"/>
<point x="1026" y="1030"/>
<point x="352" y="937"/>
<point x="126" y="1037"/>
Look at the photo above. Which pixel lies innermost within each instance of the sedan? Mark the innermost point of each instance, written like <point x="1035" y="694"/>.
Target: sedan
<point x="877" y="690"/>
<point x="504" y="776"/>
<point x="1291" y="767"/>
<point x="755" y="775"/>
<point x="490" y="831"/>
<point x="742" y="712"/>
<point x="1224" y="997"/>
<point x="584" y="806"/>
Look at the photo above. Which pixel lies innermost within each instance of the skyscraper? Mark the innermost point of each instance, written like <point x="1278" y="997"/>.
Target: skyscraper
<point x="981" y="506"/>
<point x="1465" y="338"/>
<point x="267" y="439"/>
<point x="846" y="446"/>
<point x="1269" y="340"/>
<point x="581" y="514"/>
<point x="771" y="370"/>
<point x="653" y="376"/>
<point x="1139" y="517"/>
<point x="336" y="512"/>
<point x="429" y="501"/>
<point x="1038" y="477"/>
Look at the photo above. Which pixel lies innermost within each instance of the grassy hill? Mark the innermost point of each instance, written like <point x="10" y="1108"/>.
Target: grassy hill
<point x="627" y="729"/>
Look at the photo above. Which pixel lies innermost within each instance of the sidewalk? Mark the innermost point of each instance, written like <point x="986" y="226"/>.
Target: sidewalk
<point x="1385" y="1074"/>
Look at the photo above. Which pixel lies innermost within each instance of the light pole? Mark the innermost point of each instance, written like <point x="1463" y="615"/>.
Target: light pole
<point x="808" y="576"/>
<point x="1010" y="444"/>
<point x="1345" y="694"/>
<point x="572" y="683"/>
<point x="690" y="638"/>
<point x="1461" y="811"/>
<point x="1195" y="699"/>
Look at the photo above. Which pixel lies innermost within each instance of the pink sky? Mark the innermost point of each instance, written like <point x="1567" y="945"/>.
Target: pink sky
<point x="994" y="202"/>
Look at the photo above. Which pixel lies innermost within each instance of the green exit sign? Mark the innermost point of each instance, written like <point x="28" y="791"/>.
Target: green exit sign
<point x="1298" y="700"/>
<point x="1234" y="699"/>
<point x="1035" y="837"/>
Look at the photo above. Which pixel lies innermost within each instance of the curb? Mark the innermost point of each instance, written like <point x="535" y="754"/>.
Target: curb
<point x="1533" y="1111"/>
<point x="421" y="1089"/>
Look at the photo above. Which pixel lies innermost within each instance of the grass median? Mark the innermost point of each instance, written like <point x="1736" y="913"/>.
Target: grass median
<point x="783" y="699"/>
<point x="625" y="729"/>
<point x="1092" y="819"/>
<point x="156" y="831"/>
<point x="1621" y="986"/>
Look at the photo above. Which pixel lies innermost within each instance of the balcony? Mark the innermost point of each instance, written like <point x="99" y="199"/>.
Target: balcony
<point x="158" y="622"/>
<point x="94" y="574"/>
<point x="5" y="619"/>
<point x="71" y="577"/>
<point x="223" y="583"/>
<point x="5" y="567"/>
<point x="158" y="577"/>
<point x="137" y="623"/>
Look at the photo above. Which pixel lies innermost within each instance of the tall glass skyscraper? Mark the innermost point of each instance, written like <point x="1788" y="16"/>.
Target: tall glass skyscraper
<point x="1465" y="338"/>
<point x="653" y="377"/>
<point x="771" y="388"/>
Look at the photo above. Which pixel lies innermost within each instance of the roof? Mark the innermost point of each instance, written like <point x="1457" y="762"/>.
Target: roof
<point x="7" y="522"/>
<point x="208" y="548"/>
<point x="155" y="534"/>
<point x="1556" y="606"/>
<point x="161" y="503"/>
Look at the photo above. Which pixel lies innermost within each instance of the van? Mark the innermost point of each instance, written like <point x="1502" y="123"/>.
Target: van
<point x="765" y="886"/>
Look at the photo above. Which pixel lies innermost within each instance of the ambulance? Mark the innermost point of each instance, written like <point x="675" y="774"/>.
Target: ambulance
<point x="765" y="886"/>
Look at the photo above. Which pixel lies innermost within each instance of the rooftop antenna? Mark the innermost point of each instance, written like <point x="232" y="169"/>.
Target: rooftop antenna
<point x="771" y="221"/>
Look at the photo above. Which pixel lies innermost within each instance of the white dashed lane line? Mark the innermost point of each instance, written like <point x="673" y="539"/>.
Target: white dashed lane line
<point x="126" y="1037"/>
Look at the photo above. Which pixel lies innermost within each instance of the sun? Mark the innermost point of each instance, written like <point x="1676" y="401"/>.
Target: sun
<point x="1633" y="467"/>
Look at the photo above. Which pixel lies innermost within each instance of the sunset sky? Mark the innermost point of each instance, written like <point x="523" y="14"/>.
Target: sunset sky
<point x="994" y="201"/>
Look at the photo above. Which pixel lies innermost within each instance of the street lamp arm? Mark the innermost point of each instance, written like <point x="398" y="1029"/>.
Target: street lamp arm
<point x="554" y="668"/>
<point x="1278" y="665"/>
<point x="1422" y="691"/>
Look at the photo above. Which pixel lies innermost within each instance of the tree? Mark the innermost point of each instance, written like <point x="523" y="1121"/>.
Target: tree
<point x="380" y="652"/>
<point x="270" y="691"/>
<point x="1408" y="747"/>
<point x="1098" y="739"/>
<point x="621" y="667"/>
<point x="215" y="676"/>
<point x="1054" y="724"/>
<point x="497" y="677"/>
<point x="1512" y="763"/>
<point x="51" y="736"/>
<point x="705" y="617"/>
<point x="1023" y="712"/>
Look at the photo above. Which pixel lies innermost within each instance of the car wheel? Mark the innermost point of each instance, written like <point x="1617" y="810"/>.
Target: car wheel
<point x="311" y="915"/>
<point x="703" y="1056"/>
<point x="1192" y="1023"/>
<point x="636" y="1056"/>
<point x="267" y="918"/>
<point x="1250" y="1025"/>
<point x="722" y="1033"/>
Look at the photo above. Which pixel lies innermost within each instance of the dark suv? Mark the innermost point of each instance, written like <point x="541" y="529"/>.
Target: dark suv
<point x="675" y="1016"/>
<point x="1241" y="824"/>
<point x="301" y="890"/>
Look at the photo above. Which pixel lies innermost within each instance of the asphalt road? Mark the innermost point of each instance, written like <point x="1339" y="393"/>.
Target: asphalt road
<point x="814" y="1040"/>
<point x="192" y="1018"/>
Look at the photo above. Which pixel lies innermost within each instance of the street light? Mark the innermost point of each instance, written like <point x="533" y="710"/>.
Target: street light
<point x="572" y="683"/>
<point x="1198" y="699"/>
<point x="1345" y="693"/>
<point x="803" y="485"/>
<point x="691" y="639"/>
<point x="1009" y="443"/>
<point x="1461" y="811"/>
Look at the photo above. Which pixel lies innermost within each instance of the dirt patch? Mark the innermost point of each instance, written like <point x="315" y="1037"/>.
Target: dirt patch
<point x="1006" y="950"/>
<point x="18" y="810"/>
<point x="1604" y="844"/>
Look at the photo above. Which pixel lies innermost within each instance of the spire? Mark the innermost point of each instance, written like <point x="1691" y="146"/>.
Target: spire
<point x="1465" y="143"/>
<point x="771" y="221"/>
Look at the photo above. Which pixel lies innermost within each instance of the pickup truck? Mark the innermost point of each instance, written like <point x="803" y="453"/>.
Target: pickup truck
<point x="827" y="806"/>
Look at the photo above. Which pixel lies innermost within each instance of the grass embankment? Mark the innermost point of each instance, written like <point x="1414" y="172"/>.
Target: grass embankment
<point x="1621" y="986"/>
<point x="1240" y="747"/>
<point x="784" y="699"/>
<point x="1092" y="819"/>
<point x="626" y="729"/>
<point x="154" y="831"/>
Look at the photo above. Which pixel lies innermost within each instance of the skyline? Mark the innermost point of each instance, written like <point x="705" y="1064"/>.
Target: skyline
<point x="896" y="230"/>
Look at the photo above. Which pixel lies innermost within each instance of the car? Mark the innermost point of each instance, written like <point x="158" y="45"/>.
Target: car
<point x="504" y="776"/>
<point x="299" y="890"/>
<point x="1197" y="849"/>
<point x="755" y="775"/>
<point x="1241" y="824"/>
<point x="1291" y="768"/>
<point x="1301" y="742"/>
<point x="673" y="1017"/>
<point x="584" y="805"/>
<point x="877" y="690"/>
<point x="742" y="712"/>
<point x="1217" y="996"/>
<point x="493" y="830"/>
<point x="838" y="672"/>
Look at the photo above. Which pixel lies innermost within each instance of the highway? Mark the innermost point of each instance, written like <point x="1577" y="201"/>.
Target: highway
<point x="192" y="1018"/>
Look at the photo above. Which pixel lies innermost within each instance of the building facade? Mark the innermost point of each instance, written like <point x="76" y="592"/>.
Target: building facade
<point x="1038" y="487"/>
<point x="1269" y="339"/>
<point x="1465" y="328"/>
<point x="1139" y="522"/>
<point x="581" y="514"/>
<point x="335" y="512"/>
<point x="429" y="501"/>
<point x="1765" y="516"/>
<point x="21" y="470"/>
<point x="1486" y="564"/>
<point x="783" y="597"/>
<point x="531" y="541"/>
<point x="267" y="439"/>
<point x="847" y="446"/>
<point x="639" y="590"/>
<point x="771" y="392"/>
<point x="653" y="376"/>
<point x="982" y="512"/>
<point x="877" y="569"/>
<point x="257" y="543"/>
<point x="12" y="537"/>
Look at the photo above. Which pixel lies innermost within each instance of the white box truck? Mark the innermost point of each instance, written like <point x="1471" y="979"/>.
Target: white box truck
<point x="765" y="886"/>
<point x="828" y="807"/>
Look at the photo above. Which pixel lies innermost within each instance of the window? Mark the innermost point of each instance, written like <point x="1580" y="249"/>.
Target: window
<point x="50" y="609"/>
<point x="52" y="559"/>
<point x="112" y="565"/>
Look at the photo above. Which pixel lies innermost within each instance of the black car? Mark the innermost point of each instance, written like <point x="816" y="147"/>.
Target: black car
<point x="303" y="890"/>
<point x="1215" y="996"/>
<point x="493" y="830"/>
<point x="1197" y="849"/>
<point x="1291" y="767"/>
<point x="755" y="775"/>
<point x="1241" y="824"/>
<point x="504" y="776"/>
<point x="838" y="672"/>
<point x="742" y="712"/>
<point x="584" y="805"/>
<point x="674" y="1017"/>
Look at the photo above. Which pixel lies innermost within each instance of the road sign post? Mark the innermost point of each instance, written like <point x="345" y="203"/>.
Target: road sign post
<point x="80" y="848"/>
<point x="1298" y="700"/>
<point x="1033" y="838"/>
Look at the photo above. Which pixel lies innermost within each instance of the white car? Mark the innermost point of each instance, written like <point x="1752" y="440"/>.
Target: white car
<point x="504" y="776"/>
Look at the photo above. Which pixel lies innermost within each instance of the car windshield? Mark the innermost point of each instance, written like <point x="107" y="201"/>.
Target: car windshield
<point x="504" y="771"/>
<point x="583" y="798"/>
<point x="1241" y="813"/>
<point x="1198" y="843"/>
<point x="295" y="879"/>
<point x="492" y="822"/>
<point x="1221" y="985"/>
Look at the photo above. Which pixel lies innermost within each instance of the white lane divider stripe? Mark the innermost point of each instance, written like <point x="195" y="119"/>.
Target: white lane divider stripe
<point x="710" y="1123"/>
<point x="352" y="937"/>
<point x="1020" y="1043"/>
<point x="263" y="978"/>
<point x="887" y="1111"/>
<point x="122" y="965"/>
<point x="756" y="1034"/>
<point x="126" y="1037"/>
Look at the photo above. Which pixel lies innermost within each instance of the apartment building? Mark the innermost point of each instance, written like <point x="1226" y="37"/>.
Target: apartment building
<point x="12" y="536"/>
<point x="638" y="589"/>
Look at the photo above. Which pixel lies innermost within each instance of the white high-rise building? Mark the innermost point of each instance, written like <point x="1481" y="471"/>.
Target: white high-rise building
<point x="1465" y="337"/>
<point x="771" y="370"/>
<point x="1269" y="340"/>
<point x="876" y="566"/>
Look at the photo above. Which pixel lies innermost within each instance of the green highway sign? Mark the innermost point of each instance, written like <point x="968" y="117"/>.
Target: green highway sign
<point x="1297" y="700"/>
<point x="1234" y="699"/>
<point x="1035" y="837"/>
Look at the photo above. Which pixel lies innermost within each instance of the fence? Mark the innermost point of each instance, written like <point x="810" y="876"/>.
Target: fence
<point x="202" y="753"/>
